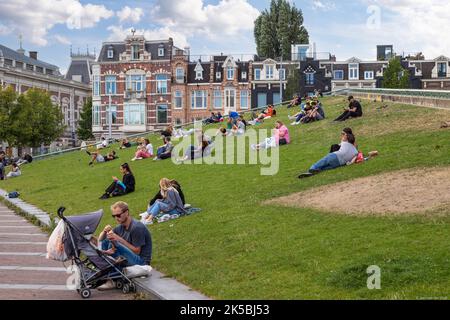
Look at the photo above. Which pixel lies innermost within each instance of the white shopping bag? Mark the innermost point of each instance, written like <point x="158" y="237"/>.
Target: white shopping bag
<point x="55" y="245"/>
<point x="137" y="271"/>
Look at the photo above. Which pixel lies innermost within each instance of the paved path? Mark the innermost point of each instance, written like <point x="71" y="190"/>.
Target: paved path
<point x="25" y="273"/>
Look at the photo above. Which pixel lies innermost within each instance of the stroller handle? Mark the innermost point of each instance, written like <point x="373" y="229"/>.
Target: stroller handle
<point x="61" y="212"/>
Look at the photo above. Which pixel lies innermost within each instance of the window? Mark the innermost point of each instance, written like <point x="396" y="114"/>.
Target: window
<point x="180" y="75"/>
<point x="368" y="75"/>
<point x="160" y="52"/>
<point x="244" y="99"/>
<point x="96" y="86"/>
<point x="339" y="74"/>
<point x="134" y="114"/>
<point x="135" y="52"/>
<point x="257" y="74"/>
<point x="161" y="83"/>
<point x="282" y="74"/>
<point x="230" y="73"/>
<point x="113" y="114"/>
<point x="136" y="83"/>
<point x="110" y="85"/>
<point x="230" y="98"/>
<point x="217" y="99"/>
<point x="198" y="99"/>
<point x="269" y="72"/>
<point x="353" y="71"/>
<point x="178" y="100"/>
<point x="218" y="75"/>
<point x="442" y="69"/>
<point x="110" y="53"/>
<point x="276" y="98"/>
<point x="162" y="113"/>
<point x="309" y="79"/>
<point x="244" y="75"/>
<point x="95" y="115"/>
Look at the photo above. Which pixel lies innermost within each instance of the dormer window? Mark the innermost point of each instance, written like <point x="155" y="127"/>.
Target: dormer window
<point x="218" y="75"/>
<point x="198" y="71"/>
<point x="230" y="73"/>
<point x="135" y="52"/>
<point x="160" y="52"/>
<point x="269" y="72"/>
<point x="110" y="53"/>
<point x="244" y="75"/>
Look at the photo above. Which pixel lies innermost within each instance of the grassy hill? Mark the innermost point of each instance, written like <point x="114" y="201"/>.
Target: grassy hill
<point x="238" y="248"/>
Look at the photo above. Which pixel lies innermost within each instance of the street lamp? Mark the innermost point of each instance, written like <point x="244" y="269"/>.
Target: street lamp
<point x="110" y="115"/>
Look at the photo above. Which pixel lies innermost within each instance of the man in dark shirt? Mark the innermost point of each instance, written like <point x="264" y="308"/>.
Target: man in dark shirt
<point x="354" y="110"/>
<point x="130" y="239"/>
<point x="2" y="165"/>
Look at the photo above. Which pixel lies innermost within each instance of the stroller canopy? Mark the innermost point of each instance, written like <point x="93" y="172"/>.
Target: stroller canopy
<point x="86" y="223"/>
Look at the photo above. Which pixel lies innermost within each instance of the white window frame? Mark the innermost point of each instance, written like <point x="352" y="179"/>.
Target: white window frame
<point x="230" y="98"/>
<point x="353" y="71"/>
<point x="179" y="75"/>
<point x="133" y="53"/>
<point x="134" y="109"/>
<point x="244" y="75"/>
<point x="198" y="94"/>
<point x="161" y="84"/>
<point x="110" y="53"/>
<point x="113" y="112"/>
<point x="199" y="75"/>
<point x="269" y="72"/>
<point x="245" y="94"/>
<point x="230" y="73"/>
<point x="178" y="97"/>
<point x="109" y="81"/>
<point x="96" y="114"/>
<point x="282" y="74"/>
<point x="334" y="75"/>
<point x="368" y="75"/>
<point x="96" y="86"/>
<point x="160" y="52"/>
<point x="257" y="74"/>
<point x="132" y="84"/>
<point x="308" y="77"/>
<point x="445" y="63"/>
<point x="157" y="113"/>
<point x="217" y="99"/>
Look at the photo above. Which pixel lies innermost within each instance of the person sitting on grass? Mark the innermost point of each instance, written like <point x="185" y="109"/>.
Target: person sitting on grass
<point x="170" y="203"/>
<point x="15" y="171"/>
<point x="304" y="109"/>
<point x="98" y="158"/>
<point x="165" y="151"/>
<point x="125" y="144"/>
<point x="27" y="158"/>
<point x="280" y="137"/>
<point x="168" y="132"/>
<point x="3" y="164"/>
<point x="238" y="129"/>
<point x="315" y="113"/>
<point x="130" y="240"/>
<point x="296" y="100"/>
<point x="120" y="188"/>
<point x="200" y="151"/>
<point x="354" y="110"/>
<point x="346" y="153"/>
<point x="266" y="114"/>
<point x="103" y="144"/>
<point x="145" y="151"/>
<point x="159" y="195"/>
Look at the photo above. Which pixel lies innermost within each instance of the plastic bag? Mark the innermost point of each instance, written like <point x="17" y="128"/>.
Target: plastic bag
<point x="137" y="271"/>
<point x="55" y="245"/>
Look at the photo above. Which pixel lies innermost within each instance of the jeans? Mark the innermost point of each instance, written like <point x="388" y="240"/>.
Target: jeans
<point x="155" y="209"/>
<point x="132" y="258"/>
<point x="328" y="162"/>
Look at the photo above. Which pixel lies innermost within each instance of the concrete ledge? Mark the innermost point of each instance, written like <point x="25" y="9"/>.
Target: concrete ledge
<point x="157" y="286"/>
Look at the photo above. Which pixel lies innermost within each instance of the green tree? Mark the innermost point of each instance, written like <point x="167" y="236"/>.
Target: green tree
<point x="84" y="130"/>
<point x="293" y="84"/>
<point x="9" y="110"/>
<point x="276" y="30"/>
<point x="395" y="76"/>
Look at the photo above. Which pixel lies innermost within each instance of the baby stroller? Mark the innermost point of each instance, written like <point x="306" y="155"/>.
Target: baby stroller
<point x="95" y="268"/>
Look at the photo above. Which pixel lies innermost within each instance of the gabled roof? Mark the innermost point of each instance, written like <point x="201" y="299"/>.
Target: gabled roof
<point x="442" y="58"/>
<point x="354" y="60"/>
<point x="79" y="68"/>
<point x="229" y="60"/>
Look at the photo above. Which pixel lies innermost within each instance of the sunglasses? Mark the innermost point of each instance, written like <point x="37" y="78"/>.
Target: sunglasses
<point x="118" y="215"/>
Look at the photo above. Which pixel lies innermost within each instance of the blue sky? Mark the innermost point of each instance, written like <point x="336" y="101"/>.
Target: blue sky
<point x="344" y="28"/>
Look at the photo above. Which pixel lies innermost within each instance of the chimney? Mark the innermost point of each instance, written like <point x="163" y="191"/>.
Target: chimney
<point x="33" y="55"/>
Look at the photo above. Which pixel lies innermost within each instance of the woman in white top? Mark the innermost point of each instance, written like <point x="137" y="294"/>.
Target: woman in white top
<point x="144" y="152"/>
<point x="15" y="171"/>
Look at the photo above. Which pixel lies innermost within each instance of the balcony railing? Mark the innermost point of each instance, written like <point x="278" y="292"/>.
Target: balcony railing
<point x="138" y="95"/>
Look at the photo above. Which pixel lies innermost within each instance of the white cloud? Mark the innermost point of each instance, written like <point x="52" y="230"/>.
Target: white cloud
<point x="228" y="18"/>
<point x="129" y="14"/>
<point x="34" y="19"/>
<point x="62" y="40"/>
<point x="411" y="26"/>
<point x="323" y="5"/>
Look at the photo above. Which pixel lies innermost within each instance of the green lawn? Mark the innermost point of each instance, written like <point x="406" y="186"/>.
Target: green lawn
<point x="236" y="248"/>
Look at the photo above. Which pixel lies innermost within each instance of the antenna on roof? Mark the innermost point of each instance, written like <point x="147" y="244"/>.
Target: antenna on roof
<point x="70" y="50"/>
<point x="133" y="31"/>
<point x="20" y="50"/>
<point x="87" y="49"/>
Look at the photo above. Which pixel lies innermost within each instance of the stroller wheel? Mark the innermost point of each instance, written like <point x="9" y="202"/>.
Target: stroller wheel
<point x="133" y="287"/>
<point x="119" y="284"/>
<point x="126" y="288"/>
<point x="85" y="293"/>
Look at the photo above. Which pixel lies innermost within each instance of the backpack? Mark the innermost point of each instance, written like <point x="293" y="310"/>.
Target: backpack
<point x="13" y="195"/>
<point x="274" y="113"/>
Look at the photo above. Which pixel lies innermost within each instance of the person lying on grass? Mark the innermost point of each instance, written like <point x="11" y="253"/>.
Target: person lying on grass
<point x="346" y="153"/>
<point x="165" y="151"/>
<point x="130" y="240"/>
<point x="280" y="137"/>
<point x="120" y="188"/>
<point x="170" y="203"/>
<point x="145" y="151"/>
<point x="200" y="151"/>
<point x="96" y="157"/>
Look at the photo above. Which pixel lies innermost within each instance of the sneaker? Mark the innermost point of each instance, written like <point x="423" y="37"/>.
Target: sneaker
<point x="88" y="152"/>
<point x="104" y="196"/>
<point x="305" y="175"/>
<point x="187" y="206"/>
<point x="314" y="171"/>
<point x="164" y="218"/>
<point x="108" y="285"/>
<point x="174" y="216"/>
